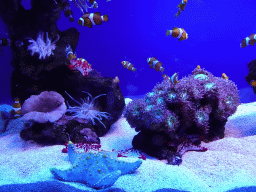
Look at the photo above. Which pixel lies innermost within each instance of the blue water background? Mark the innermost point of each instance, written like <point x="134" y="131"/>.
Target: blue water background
<point x="136" y="30"/>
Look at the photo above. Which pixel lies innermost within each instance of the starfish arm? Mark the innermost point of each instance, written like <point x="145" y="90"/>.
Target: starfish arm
<point x="108" y="180"/>
<point x="128" y="167"/>
<point x="184" y="147"/>
<point x="60" y="174"/>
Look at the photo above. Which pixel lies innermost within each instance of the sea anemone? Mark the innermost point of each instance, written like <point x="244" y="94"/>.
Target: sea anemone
<point x="86" y="110"/>
<point x="43" y="48"/>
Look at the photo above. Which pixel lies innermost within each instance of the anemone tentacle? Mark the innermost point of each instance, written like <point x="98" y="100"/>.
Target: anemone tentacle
<point x="86" y="110"/>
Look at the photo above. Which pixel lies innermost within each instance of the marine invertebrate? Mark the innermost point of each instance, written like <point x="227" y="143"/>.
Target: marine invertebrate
<point x="86" y="110"/>
<point x="43" y="48"/>
<point x="83" y="6"/>
<point x="81" y="65"/>
<point x="197" y="105"/>
<point x="47" y="106"/>
<point x="95" y="169"/>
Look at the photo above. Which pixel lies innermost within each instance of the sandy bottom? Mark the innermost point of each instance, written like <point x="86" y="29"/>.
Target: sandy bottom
<point x="229" y="163"/>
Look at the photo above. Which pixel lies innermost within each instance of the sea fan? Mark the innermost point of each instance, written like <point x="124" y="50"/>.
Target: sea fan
<point x="86" y="110"/>
<point x="41" y="47"/>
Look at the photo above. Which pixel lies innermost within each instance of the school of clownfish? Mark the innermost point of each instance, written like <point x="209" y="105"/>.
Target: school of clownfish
<point x="176" y="32"/>
<point x="89" y="19"/>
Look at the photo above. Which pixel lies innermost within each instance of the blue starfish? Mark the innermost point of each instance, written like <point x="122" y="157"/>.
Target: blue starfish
<point x="96" y="169"/>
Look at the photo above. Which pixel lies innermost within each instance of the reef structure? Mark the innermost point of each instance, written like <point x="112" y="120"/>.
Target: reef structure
<point x="174" y="118"/>
<point x="42" y="57"/>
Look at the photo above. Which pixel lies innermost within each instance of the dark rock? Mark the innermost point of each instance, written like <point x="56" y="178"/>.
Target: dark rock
<point x="33" y="75"/>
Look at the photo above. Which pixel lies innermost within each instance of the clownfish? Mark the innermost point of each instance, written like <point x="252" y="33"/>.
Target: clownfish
<point x="16" y="108"/>
<point x="181" y="7"/>
<point x="250" y="40"/>
<point x="253" y="83"/>
<point x="198" y="67"/>
<point x="154" y="63"/>
<point x="70" y="54"/>
<point x="116" y="80"/>
<point x="94" y="3"/>
<point x="179" y="33"/>
<point x="128" y="65"/>
<point x="89" y="19"/>
<point x="67" y="11"/>
<point x="224" y="76"/>
<point x="173" y="79"/>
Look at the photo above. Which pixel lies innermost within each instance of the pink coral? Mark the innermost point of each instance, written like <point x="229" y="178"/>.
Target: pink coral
<point x="47" y="106"/>
<point x="81" y="65"/>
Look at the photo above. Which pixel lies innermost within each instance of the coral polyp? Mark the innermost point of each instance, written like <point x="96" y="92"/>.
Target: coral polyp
<point x="86" y="110"/>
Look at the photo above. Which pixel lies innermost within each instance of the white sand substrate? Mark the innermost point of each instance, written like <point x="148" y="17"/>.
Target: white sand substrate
<point x="228" y="163"/>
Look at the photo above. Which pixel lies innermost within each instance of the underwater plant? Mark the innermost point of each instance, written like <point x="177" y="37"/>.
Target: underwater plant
<point x="86" y="110"/>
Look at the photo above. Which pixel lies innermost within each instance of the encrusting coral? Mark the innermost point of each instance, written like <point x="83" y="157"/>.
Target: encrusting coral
<point x="47" y="106"/>
<point x="96" y="169"/>
<point x="175" y="118"/>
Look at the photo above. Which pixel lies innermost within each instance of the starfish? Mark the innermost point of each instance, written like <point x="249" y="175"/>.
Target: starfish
<point x="188" y="144"/>
<point x="98" y="169"/>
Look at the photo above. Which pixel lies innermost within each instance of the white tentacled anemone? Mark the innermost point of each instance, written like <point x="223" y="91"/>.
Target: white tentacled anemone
<point x="86" y="110"/>
<point x="83" y="6"/>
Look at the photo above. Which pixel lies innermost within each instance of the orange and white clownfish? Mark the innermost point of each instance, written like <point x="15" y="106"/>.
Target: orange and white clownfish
<point x="253" y="83"/>
<point x="16" y="108"/>
<point x="94" y="3"/>
<point x="173" y="79"/>
<point x="70" y="54"/>
<point x="154" y="63"/>
<point x="179" y="33"/>
<point x="89" y="19"/>
<point x="198" y="67"/>
<point x="116" y="80"/>
<point x="128" y="65"/>
<point x="224" y="76"/>
<point x="250" y="40"/>
<point x="67" y="11"/>
<point x="181" y="7"/>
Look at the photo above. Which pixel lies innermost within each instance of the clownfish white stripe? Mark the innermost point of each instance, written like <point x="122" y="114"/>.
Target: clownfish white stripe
<point x="17" y="109"/>
<point x="128" y="65"/>
<point x="16" y="101"/>
<point x="91" y="18"/>
<point x="247" y="40"/>
<point x="181" y="32"/>
<point x="154" y="63"/>
<point x="82" y="20"/>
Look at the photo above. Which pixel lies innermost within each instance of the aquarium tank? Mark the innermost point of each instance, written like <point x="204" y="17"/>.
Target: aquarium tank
<point x="114" y="95"/>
